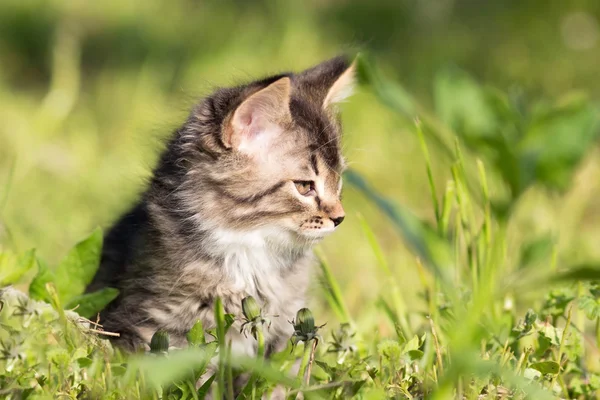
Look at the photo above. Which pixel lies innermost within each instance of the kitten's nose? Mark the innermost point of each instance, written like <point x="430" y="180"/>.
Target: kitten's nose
<point x="335" y="212"/>
<point x="338" y="220"/>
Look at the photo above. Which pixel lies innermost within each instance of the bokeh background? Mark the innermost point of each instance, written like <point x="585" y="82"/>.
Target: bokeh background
<point x="88" y="90"/>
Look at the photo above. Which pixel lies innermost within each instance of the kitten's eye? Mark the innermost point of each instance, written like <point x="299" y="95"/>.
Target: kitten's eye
<point x="305" y="188"/>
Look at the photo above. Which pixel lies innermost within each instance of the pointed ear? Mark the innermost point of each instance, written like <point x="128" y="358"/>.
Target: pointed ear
<point x="342" y="88"/>
<point x="254" y="122"/>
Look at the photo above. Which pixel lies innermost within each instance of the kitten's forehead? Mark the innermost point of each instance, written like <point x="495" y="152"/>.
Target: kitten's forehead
<point x="322" y="133"/>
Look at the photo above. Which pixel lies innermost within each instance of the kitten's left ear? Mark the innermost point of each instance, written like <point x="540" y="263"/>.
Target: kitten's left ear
<point x="342" y="88"/>
<point x="253" y="125"/>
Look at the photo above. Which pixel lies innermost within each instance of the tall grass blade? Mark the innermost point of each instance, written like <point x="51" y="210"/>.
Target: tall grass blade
<point x="221" y="373"/>
<point x="331" y="289"/>
<point x="432" y="188"/>
<point x="423" y="240"/>
<point x="399" y="304"/>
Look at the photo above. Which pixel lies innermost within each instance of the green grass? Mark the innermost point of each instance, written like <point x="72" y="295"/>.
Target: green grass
<point x="498" y="318"/>
<point x="466" y="268"/>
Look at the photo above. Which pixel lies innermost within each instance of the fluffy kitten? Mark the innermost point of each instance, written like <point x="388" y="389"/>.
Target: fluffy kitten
<point x="243" y="190"/>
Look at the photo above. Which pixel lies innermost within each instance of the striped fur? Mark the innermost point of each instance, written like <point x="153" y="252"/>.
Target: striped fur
<point x="220" y="221"/>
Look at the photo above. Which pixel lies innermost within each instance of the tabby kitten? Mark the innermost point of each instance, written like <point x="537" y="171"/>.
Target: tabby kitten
<point x="244" y="189"/>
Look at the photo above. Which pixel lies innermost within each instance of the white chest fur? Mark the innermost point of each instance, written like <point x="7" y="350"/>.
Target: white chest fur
<point x="253" y="260"/>
<point x="262" y="263"/>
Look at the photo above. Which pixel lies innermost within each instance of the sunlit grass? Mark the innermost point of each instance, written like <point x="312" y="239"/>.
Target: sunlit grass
<point x="426" y="288"/>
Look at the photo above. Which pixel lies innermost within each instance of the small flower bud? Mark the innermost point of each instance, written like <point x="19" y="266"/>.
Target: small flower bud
<point x="250" y="308"/>
<point x="305" y="322"/>
<point x="159" y="342"/>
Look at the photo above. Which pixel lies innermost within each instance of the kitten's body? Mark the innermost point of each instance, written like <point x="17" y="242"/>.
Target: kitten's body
<point x="228" y="214"/>
<point x="174" y="298"/>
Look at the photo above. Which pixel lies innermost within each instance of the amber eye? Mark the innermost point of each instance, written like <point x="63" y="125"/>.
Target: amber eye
<point x="305" y="188"/>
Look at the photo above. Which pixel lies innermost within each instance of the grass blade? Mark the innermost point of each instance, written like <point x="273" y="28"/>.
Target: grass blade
<point x="423" y="240"/>
<point x="332" y="290"/>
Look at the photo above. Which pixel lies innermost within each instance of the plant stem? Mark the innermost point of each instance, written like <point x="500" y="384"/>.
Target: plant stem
<point x="220" y="320"/>
<point x="438" y="351"/>
<point x="560" y="353"/>
<point x="311" y="360"/>
<point x="304" y="362"/>
<point x="598" y="332"/>
<point x="432" y="188"/>
<point x="229" y="373"/>
<point x="260" y="354"/>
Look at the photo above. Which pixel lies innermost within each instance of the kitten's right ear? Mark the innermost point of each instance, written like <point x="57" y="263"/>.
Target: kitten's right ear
<point x="342" y="88"/>
<point x="254" y="122"/>
<point x="330" y="82"/>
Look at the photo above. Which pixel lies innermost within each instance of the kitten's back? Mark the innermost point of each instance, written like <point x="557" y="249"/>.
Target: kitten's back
<point x="119" y="248"/>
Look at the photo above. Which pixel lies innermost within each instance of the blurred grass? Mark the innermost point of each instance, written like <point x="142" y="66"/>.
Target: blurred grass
<point x="88" y="90"/>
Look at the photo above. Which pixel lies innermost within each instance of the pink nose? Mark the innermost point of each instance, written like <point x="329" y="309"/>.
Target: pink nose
<point x="336" y="213"/>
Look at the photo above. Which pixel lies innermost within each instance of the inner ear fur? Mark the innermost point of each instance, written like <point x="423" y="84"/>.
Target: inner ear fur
<point x="267" y="105"/>
<point x="342" y="88"/>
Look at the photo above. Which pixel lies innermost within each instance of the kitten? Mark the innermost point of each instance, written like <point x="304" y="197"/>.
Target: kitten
<point x="242" y="192"/>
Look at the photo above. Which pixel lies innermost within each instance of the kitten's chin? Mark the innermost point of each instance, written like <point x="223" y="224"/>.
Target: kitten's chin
<point x="316" y="235"/>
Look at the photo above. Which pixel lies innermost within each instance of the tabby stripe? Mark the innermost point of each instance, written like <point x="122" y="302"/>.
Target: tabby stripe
<point x="252" y="198"/>
<point x="313" y="163"/>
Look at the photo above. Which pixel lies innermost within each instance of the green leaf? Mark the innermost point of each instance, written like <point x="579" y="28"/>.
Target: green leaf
<point x="584" y="272"/>
<point x="84" y="362"/>
<point x="90" y="304"/>
<point x="546" y="367"/>
<point x="556" y="142"/>
<point x="461" y="103"/>
<point x="78" y="268"/>
<point x="590" y="306"/>
<point x="184" y="389"/>
<point x="164" y="370"/>
<point x="195" y="336"/>
<point x="412" y="344"/>
<point x="210" y="349"/>
<point x="203" y="390"/>
<point x="550" y="332"/>
<point x="536" y="251"/>
<point x="37" y="287"/>
<point x="411" y="349"/>
<point x="530" y="318"/>
<point x="80" y="352"/>
<point x="415" y="355"/>
<point x="326" y="368"/>
<point x="229" y="321"/>
<point x="265" y="370"/>
<point x="12" y="267"/>
<point x="118" y="369"/>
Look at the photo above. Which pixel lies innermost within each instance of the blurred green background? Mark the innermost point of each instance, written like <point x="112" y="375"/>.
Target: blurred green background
<point x="89" y="89"/>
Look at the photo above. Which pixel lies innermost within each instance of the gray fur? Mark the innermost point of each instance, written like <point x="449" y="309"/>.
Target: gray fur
<point x="218" y="223"/>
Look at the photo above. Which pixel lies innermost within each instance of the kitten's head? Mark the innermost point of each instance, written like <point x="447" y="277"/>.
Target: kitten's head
<point x="267" y="154"/>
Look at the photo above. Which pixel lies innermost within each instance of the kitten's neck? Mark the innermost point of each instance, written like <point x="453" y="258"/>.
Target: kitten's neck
<point x="252" y="258"/>
<point x="278" y="243"/>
